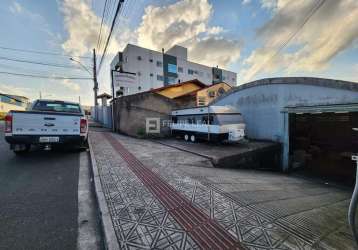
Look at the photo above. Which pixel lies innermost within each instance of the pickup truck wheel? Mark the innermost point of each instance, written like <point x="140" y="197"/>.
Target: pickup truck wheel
<point x="84" y="145"/>
<point x="22" y="151"/>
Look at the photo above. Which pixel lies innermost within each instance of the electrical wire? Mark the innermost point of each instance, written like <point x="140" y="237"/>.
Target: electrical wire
<point x="100" y="30"/>
<point x="42" y="52"/>
<point x="110" y="34"/>
<point x="46" y="77"/>
<point x="39" y="63"/>
<point x="285" y="43"/>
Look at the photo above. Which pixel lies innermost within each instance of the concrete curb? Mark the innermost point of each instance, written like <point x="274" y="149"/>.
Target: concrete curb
<point x="110" y="238"/>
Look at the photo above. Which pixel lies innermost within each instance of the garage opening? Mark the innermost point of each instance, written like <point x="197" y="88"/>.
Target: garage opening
<point x="321" y="144"/>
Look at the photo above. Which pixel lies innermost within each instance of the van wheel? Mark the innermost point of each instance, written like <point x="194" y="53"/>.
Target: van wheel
<point x="186" y="137"/>
<point x="192" y="138"/>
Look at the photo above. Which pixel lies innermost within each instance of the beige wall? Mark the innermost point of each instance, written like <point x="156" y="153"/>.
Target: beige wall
<point x="131" y="111"/>
<point x="207" y="95"/>
<point x="6" y="107"/>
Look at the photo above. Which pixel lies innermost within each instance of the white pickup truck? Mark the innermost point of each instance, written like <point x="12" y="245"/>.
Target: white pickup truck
<point x="46" y="123"/>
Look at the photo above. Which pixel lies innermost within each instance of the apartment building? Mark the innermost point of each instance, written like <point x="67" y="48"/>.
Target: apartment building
<point x="138" y="69"/>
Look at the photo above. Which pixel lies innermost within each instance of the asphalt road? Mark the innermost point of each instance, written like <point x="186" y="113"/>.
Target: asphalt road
<point x="38" y="199"/>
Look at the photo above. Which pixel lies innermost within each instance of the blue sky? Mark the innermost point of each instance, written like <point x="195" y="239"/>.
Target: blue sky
<point x="241" y="36"/>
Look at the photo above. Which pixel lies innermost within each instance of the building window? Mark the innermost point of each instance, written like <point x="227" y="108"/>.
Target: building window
<point x="171" y="79"/>
<point x="172" y="68"/>
<point x="201" y="101"/>
<point x="139" y="88"/>
<point x="151" y="74"/>
<point x="160" y="78"/>
<point x="200" y="73"/>
<point x="151" y="60"/>
<point x="159" y="64"/>
<point x="190" y="72"/>
<point x="138" y="73"/>
<point x="211" y="93"/>
<point x="180" y="69"/>
<point x="139" y="58"/>
<point x="221" y="91"/>
<point x="224" y="78"/>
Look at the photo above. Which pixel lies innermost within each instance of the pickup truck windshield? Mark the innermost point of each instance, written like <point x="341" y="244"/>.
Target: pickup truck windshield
<point x="57" y="107"/>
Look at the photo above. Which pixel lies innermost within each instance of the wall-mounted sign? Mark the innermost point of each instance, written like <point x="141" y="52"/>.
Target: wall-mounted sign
<point x="124" y="79"/>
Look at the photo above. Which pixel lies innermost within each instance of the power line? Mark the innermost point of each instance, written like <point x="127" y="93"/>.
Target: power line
<point x="43" y="52"/>
<point x="110" y="33"/>
<point x="100" y="30"/>
<point x="285" y="43"/>
<point x="46" y="77"/>
<point x="107" y="15"/>
<point x="39" y="63"/>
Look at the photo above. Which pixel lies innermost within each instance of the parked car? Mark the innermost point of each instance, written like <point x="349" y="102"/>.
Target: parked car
<point x="46" y="123"/>
<point x="212" y="123"/>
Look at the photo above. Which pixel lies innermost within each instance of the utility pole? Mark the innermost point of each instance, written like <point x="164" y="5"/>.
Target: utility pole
<point x="95" y="86"/>
<point x="40" y="95"/>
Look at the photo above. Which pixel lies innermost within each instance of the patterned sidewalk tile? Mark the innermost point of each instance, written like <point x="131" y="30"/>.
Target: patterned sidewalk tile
<point x="143" y="222"/>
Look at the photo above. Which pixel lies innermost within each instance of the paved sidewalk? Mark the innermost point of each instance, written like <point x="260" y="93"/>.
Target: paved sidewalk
<point x="163" y="198"/>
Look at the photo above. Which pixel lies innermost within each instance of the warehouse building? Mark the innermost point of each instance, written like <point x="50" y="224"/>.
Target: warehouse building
<point x="313" y="118"/>
<point x="137" y="69"/>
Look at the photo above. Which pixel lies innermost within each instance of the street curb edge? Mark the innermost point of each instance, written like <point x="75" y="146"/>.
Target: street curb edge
<point x="110" y="238"/>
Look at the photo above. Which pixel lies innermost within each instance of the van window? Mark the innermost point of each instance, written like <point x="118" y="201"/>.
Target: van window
<point x="224" y="119"/>
<point x="204" y="119"/>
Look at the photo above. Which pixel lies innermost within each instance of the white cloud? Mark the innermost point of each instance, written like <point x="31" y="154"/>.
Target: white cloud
<point x="246" y="2"/>
<point x="13" y="90"/>
<point x="213" y="51"/>
<point x="16" y="8"/>
<point x="274" y="4"/>
<point x="186" y="23"/>
<point x="331" y="30"/>
<point x="71" y="85"/>
<point x="83" y="25"/>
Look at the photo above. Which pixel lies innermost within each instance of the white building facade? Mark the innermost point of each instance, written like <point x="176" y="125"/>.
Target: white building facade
<point x="142" y="69"/>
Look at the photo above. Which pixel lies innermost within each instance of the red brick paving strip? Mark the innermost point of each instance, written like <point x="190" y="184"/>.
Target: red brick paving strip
<point x="206" y="232"/>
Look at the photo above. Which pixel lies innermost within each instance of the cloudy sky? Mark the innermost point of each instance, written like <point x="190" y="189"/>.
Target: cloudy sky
<point x="255" y="38"/>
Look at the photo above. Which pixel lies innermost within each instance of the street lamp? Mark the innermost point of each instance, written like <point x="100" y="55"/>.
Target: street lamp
<point x="93" y="76"/>
<point x="84" y="67"/>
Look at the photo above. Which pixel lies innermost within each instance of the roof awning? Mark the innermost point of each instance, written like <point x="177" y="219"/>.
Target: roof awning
<point x="336" y="108"/>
